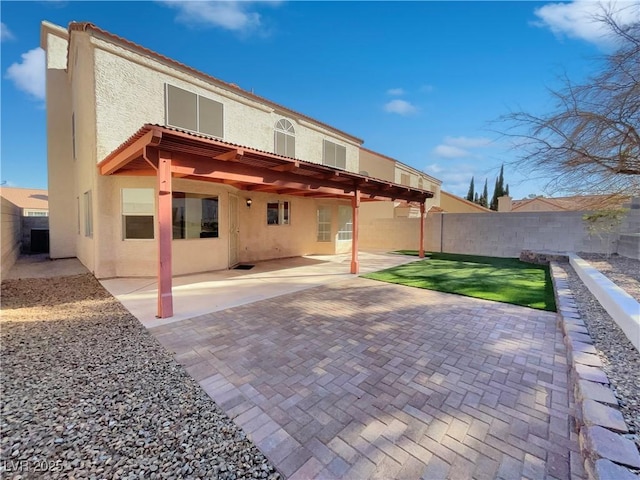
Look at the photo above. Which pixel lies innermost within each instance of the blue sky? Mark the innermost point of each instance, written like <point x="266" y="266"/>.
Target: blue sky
<point x="418" y="81"/>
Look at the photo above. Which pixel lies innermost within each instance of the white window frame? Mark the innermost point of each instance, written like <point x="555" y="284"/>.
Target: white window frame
<point x="345" y="231"/>
<point x="281" y="213"/>
<point x="326" y="235"/>
<point x="285" y="128"/>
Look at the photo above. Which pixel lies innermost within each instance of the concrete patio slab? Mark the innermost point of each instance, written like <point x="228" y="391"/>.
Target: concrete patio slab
<point x="41" y="266"/>
<point x="362" y="379"/>
<point x="199" y="294"/>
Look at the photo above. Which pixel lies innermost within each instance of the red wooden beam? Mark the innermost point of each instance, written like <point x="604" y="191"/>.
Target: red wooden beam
<point x="165" y="233"/>
<point x="118" y="160"/>
<point x="355" y="206"/>
<point x="421" y="249"/>
<point x="232" y="155"/>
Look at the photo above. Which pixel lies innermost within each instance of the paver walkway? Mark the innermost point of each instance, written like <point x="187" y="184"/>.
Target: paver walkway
<point x="361" y="379"/>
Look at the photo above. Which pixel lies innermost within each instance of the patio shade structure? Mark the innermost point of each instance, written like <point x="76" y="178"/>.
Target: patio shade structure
<point x="167" y="152"/>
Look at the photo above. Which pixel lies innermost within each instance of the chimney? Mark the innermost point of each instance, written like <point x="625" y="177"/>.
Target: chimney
<point x="504" y="203"/>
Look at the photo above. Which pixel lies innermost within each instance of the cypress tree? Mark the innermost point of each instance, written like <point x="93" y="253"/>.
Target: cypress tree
<point x="485" y="195"/>
<point x="471" y="193"/>
<point x="499" y="190"/>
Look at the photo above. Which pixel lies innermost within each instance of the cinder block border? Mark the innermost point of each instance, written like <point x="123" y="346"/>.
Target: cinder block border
<point x="599" y="424"/>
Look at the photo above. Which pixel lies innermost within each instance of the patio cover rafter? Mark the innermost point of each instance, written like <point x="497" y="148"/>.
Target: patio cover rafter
<point x="208" y="159"/>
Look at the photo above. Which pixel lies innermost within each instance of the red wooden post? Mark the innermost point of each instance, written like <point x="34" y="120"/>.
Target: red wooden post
<point x="421" y="249"/>
<point x="165" y="229"/>
<point x="355" y="206"/>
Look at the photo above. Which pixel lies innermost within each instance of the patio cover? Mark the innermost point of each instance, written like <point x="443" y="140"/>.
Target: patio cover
<point x="167" y="152"/>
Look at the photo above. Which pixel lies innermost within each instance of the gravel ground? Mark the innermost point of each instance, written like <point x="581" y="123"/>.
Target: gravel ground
<point x="623" y="271"/>
<point x="87" y="392"/>
<point x="620" y="358"/>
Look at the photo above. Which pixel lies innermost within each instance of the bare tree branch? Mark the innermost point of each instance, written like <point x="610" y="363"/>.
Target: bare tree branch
<point x="590" y="142"/>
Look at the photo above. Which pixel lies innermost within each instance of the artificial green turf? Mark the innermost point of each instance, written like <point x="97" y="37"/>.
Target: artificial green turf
<point x="505" y="280"/>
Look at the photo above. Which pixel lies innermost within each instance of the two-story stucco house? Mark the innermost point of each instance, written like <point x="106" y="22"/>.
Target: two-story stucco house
<point x="158" y="169"/>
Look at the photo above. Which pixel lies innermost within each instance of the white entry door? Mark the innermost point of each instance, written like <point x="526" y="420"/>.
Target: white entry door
<point x="233" y="231"/>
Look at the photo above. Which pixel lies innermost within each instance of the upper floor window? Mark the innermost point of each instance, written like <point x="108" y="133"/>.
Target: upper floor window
<point x="334" y="155"/>
<point x="405" y="179"/>
<point x="193" y="112"/>
<point x="285" y="140"/>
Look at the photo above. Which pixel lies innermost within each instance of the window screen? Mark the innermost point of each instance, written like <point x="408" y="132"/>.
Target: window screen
<point x="334" y="155"/>
<point x="210" y="118"/>
<point x="182" y="108"/>
<point x="194" y="112"/>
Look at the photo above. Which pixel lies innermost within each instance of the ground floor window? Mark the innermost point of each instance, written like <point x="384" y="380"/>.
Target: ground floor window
<point x="194" y="215"/>
<point x="278" y="213"/>
<point x="345" y="223"/>
<point x="138" y="208"/>
<point x="324" y="224"/>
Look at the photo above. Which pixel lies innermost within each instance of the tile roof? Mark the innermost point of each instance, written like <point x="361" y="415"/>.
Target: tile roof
<point x="26" y="197"/>
<point x="88" y="26"/>
<point x="574" y="203"/>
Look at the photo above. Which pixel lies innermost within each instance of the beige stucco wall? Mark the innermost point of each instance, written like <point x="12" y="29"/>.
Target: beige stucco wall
<point x="386" y="168"/>
<point x="61" y="168"/>
<point x="125" y="79"/>
<point x="390" y="234"/>
<point x="377" y="166"/>
<point x="83" y="106"/>
<point x="10" y="230"/>
<point x="257" y="240"/>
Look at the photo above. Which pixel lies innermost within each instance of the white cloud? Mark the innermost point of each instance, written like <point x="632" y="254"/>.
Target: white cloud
<point x="455" y="178"/>
<point x="578" y="19"/>
<point x="460" y="147"/>
<point x="450" y="151"/>
<point x="232" y="15"/>
<point x="427" y="88"/>
<point x="5" y="33"/>
<point x="395" y="91"/>
<point x="401" y="107"/>
<point x="29" y="74"/>
<point x="467" y="142"/>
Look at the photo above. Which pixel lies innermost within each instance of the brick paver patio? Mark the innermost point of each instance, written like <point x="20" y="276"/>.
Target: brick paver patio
<point x="362" y="379"/>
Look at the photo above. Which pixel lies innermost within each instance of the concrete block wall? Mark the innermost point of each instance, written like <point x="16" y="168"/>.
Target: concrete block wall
<point x="507" y="234"/>
<point x="629" y="243"/>
<point x="10" y="229"/>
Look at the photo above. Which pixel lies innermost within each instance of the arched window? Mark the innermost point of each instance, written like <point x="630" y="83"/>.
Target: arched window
<point x="285" y="140"/>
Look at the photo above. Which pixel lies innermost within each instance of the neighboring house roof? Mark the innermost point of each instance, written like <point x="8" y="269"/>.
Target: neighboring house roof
<point x="30" y="198"/>
<point x="86" y="26"/>
<point x="464" y="201"/>
<point x="575" y="203"/>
